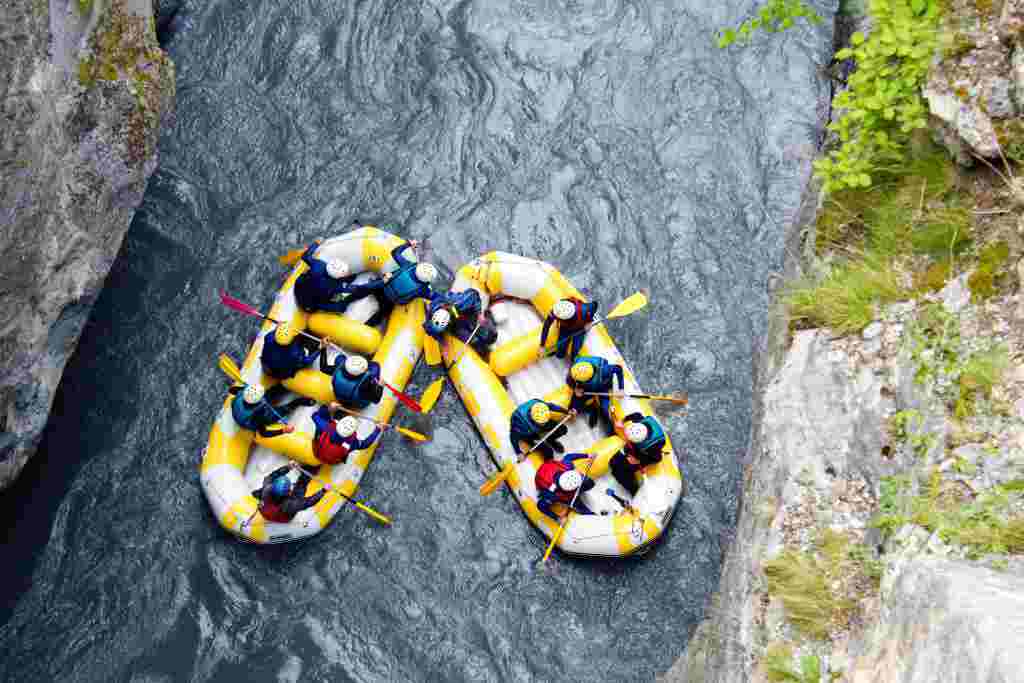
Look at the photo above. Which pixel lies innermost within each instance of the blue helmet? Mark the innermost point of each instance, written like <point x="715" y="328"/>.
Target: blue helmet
<point x="281" y="487"/>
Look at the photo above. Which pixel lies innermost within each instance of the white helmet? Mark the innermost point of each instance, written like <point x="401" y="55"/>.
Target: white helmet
<point x="426" y="272"/>
<point x="356" y="365"/>
<point x="347" y="426"/>
<point x="636" y="432"/>
<point x="253" y="394"/>
<point x="441" y="318"/>
<point x="337" y="268"/>
<point x="570" y="481"/>
<point x="564" y="309"/>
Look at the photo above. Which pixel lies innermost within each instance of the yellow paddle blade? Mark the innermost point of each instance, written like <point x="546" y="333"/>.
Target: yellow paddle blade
<point x="229" y="368"/>
<point x="431" y="350"/>
<point x="430" y="396"/>
<point x="292" y="257"/>
<point x="630" y="304"/>
<point x="373" y="513"/>
<point x="492" y="484"/>
<point x="415" y="436"/>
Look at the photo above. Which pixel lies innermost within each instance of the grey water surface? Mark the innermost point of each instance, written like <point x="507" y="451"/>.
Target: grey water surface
<point x="609" y="137"/>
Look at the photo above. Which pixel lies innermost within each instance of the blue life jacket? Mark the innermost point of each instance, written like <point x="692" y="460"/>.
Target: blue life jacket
<point x="281" y="362"/>
<point x="350" y="390"/>
<point x="252" y="416"/>
<point x="522" y="424"/>
<point x="655" y="440"/>
<point x="604" y="373"/>
<point x="403" y="286"/>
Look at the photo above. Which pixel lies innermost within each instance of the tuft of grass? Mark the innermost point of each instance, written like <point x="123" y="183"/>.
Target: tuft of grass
<point x="780" y="667"/>
<point x="845" y="299"/>
<point x="933" y="278"/>
<point x="980" y="374"/>
<point x="85" y="7"/>
<point x="984" y="280"/>
<point x="943" y="232"/>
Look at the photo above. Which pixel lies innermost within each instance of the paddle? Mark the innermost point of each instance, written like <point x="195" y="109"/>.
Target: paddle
<point x="491" y="485"/>
<point x="680" y="400"/>
<point x="433" y="392"/>
<point x="415" y="436"/>
<point x="237" y="305"/>
<point x="627" y="306"/>
<point x="572" y="504"/>
<point x="365" y="508"/>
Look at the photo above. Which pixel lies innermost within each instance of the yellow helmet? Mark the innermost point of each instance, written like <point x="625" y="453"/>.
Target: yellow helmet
<point x="285" y="334"/>
<point x="582" y="371"/>
<point x="540" y="413"/>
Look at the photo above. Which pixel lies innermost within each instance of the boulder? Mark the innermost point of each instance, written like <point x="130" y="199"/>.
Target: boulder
<point x="85" y="89"/>
<point x="946" y="620"/>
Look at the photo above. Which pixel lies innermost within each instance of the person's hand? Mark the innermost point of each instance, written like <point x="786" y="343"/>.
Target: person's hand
<point x="288" y="429"/>
<point x="334" y="406"/>
<point x="573" y="412"/>
<point x="293" y="465"/>
<point x="578" y="391"/>
<point x="632" y="460"/>
<point x="414" y="243"/>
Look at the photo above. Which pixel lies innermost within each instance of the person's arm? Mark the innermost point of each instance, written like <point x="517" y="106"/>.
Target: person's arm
<point x="235" y="388"/>
<point x="322" y="419"/>
<point x="268" y="432"/>
<point x="544" y="501"/>
<point x="589" y="311"/>
<point x="325" y="366"/>
<point x="396" y="254"/>
<point x="258" y="494"/>
<point x="368" y="441"/>
<point x="307" y="255"/>
<point x="544" y="330"/>
<point x="555" y="408"/>
<point x="605" y="402"/>
<point x="617" y="374"/>
<point x="295" y="504"/>
<point x="374" y="371"/>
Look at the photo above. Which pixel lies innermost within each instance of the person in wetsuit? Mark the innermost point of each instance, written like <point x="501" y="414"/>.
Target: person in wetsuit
<point x="327" y="285"/>
<point x="410" y="281"/>
<point x="355" y="381"/>
<point x="557" y="482"/>
<point x="253" y="409"/>
<point x="285" y="352"/>
<point x="334" y="439"/>
<point x="459" y="313"/>
<point x="593" y="374"/>
<point x="573" y="316"/>
<point x="529" y="423"/>
<point x="645" y="441"/>
<point x="282" y="495"/>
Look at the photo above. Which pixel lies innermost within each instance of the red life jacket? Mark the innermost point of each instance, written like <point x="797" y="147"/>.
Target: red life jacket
<point x="546" y="477"/>
<point x="329" y="452"/>
<point x="272" y="512"/>
<point x="577" y="320"/>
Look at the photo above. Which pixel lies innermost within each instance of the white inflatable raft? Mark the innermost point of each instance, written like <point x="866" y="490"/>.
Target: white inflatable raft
<point x="520" y="292"/>
<point x="236" y="460"/>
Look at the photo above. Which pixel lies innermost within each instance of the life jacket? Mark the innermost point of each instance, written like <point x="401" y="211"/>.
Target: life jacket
<point x="250" y="417"/>
<point x="648" y="451"/>
<point x="281" y="362"/>
<point x="522" y="423"/>
<point x="315" y="287"/>
<point x="346" y="388"/>
<point x="329" y="451"/>
<point x="602" y="379"/>
<point x="403" y="286"/>
<point x="272" y="512"/>
<point x="547" y="476"/>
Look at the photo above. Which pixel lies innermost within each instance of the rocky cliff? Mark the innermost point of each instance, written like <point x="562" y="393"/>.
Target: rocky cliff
<point x="84" y="88"/>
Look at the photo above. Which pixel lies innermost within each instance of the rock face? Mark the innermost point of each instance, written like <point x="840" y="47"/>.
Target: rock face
<point x="83" y="90"/>
<point x="947" y="621"/>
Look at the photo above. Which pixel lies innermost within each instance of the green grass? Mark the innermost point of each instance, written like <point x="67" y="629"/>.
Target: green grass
<point x="780" y="667"/>
<point x="980" y="374"/>
<point x="845" y="299"/>
<point x="85" y="7"/>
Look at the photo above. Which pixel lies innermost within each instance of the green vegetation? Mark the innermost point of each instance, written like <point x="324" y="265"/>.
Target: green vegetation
<point x="804" y="582"/>
<point x="984" y="524"/>
<point x="979" y="375"/>
<point x="984" y="279"/>
<point x="775" y="15"/>
<point x="845" y="298"/>
<point x="84" y="7"/>
<point x="780" y="666"/>
<point x="882" y="105"/>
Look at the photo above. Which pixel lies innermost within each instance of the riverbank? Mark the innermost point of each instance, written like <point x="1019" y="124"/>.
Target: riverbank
<point x="86" y="88"/>
<point x="882" y="519"/>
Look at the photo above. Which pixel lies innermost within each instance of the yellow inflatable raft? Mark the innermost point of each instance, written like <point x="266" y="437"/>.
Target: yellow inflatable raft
<point x="520" y="293"/>
<point x="236" y="460"/>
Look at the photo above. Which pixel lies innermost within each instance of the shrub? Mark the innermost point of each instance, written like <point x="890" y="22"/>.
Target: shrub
<point x="779" y="666"/>
<point x="775" y="15"/>
<point x="845" y="299"/>
<point x="882" y="105"/>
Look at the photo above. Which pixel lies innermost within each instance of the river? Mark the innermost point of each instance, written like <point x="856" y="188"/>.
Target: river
<point x="611" y="138"/>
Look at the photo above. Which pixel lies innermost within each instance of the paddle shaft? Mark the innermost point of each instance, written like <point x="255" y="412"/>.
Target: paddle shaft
<point x="586" y="329"/>
<point x="572" y="505"/>
<point x="651" y="397"/>
<point x="547" y="436"/>
<point x="465" y="349"/>
<point x="365" y="508"/>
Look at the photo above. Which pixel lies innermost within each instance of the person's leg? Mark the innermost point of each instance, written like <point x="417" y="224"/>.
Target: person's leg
<point x="582" y="508"/>
<point x="384" y="307"/>
<point x="302" y="401"/>
<point x="624" y="473"/>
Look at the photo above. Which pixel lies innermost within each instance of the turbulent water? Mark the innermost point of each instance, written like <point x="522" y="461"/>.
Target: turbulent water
<point x="611" y="138"/>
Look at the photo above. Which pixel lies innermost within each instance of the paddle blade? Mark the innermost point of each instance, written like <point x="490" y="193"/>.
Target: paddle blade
<point x="229" y="367"/>
<point x="492" y="484"/>
<point x="406" y="400"/>
<point x="430" y="396"/>
<point x="292" y="257"/>
<point x="630" y="304"/>
<point x="232" y="302"/>
<point x="431" y="350"/>
<point x="373" y="513"/>
<point x="415" y="436"/>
